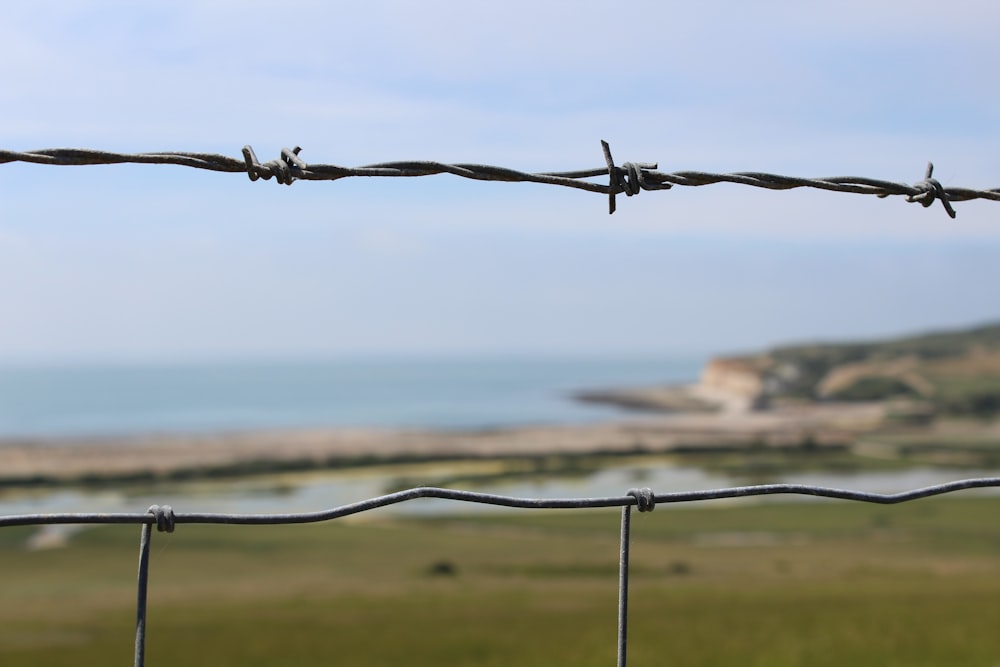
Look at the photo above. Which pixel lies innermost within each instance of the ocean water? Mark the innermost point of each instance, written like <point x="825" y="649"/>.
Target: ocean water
<point x="81" y="401"/>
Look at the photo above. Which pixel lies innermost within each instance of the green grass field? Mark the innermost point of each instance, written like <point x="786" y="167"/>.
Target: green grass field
<point x="821" y="583"/>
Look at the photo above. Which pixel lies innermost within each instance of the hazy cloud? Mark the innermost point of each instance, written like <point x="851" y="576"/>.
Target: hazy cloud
<point x="144" y="260"/>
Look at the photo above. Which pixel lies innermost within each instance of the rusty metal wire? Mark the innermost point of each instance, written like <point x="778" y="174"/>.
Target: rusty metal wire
<point x="629" y="178"/>
<point x="645" y="500"/>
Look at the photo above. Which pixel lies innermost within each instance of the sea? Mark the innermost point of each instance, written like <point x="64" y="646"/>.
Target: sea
<point x="81" y="401"/>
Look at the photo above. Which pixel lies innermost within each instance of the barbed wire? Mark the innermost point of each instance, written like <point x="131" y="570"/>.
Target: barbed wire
<point x="629" y="178"/>
<point x="645" y="500"/>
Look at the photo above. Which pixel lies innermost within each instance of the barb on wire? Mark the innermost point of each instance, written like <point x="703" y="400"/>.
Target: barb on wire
<point x="630" y="178"/>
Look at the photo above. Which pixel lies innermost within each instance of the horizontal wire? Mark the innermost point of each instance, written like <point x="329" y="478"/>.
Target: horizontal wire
<point x="165" y="519"/>
<point x="150" y="517"/>
<point x="628" y="178"/>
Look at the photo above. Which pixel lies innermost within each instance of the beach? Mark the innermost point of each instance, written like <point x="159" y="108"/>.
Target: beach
<point x="26" y="461"/>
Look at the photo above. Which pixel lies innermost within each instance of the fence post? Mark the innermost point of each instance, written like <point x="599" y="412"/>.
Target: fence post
<point x="140" y="615"/>
<point x="623" y="585"/>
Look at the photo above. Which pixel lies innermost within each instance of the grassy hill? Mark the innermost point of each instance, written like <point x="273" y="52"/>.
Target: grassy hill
<point x="955" y="372"/>
<point x="777" y="584"/>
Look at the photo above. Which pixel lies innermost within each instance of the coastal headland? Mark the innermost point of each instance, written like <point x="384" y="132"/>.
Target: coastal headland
<point x="937" y="395"/>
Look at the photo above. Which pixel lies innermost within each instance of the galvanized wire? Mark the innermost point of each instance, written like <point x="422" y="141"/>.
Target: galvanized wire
<point x="166" y="520"/>
<point x="629" y="178"/>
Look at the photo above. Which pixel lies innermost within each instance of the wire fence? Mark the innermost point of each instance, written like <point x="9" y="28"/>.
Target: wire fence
<point x="645" y="500"/>
<point x="629" y="178"/>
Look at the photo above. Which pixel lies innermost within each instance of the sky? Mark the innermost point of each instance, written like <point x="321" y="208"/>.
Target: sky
<point x="162" y="263"/>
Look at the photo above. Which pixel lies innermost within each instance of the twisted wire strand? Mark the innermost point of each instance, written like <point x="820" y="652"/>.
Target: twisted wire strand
<point x="629" y="178"/>
<point x="165" y="519"/>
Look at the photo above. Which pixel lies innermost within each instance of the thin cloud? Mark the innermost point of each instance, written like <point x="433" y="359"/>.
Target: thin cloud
<point x="164" y="259"/>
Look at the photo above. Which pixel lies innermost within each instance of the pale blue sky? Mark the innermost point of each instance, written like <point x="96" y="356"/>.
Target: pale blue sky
<point x="162" y="263"/>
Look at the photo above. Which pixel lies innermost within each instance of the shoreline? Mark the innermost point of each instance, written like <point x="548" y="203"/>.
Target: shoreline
<point x="67" y="461"/>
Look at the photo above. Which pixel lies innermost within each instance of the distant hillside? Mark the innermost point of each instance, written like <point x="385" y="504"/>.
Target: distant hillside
<point x="955" y="372"/>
